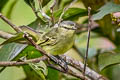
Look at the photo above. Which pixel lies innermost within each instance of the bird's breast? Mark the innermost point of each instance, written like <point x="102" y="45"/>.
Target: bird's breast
<point x="63" y="44"/>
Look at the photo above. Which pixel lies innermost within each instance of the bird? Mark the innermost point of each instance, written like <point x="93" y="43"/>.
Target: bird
<point x="55" y="40"/>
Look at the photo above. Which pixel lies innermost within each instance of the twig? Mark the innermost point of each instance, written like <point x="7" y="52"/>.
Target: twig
<point x="17" y="29"/>
<point x="16" y="63"/>
<point x="89" y="29"/>
<point x="51" y="10"/>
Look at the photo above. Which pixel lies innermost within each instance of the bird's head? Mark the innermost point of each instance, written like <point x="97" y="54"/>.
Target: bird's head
<point x="69" y="25"/>
<point x="66" y="28"/>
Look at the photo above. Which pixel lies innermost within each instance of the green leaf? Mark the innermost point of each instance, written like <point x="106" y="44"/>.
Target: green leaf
<point x="9" y="7"/>
<point x="112" y="72"/>
<point x="18" y="37"/>
<point x="108" y="59"/>
<point x="52" y="74"/>
<point x="108" y="8"/>
<point x="45" y="2"/>
<point x="46" y="8"/>
<point x="21" y="14"/>
<point x="12" y="73"/>
<point x="31" y="3"/>
<point x="71" y="13"/>
<point x="40" y="68"/>
<point x="96" y="42"/>
<point x="30" y="52"/>
<point x="2" y="4"/>
<point x="63" y="3"/>
<point x="11" y="50"/>
<point x="30" y="73"/>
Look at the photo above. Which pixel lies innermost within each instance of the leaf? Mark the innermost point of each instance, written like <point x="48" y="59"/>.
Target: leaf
<point x="20" y="9"/>
<point x="17" y="74"/>
<point x="112" y="72"/>
<point x="46" y="8"/>
<point x="11" y="50"/>
<point x="52" y="74"/>
<point x="18" y="37"/>
<point x="107" y="59"/>
<point x="45" y="2"/>
<point x="71" y="13"/>
<point x="2" y="4"/>
<point x="63" y="3"/>
<point x="30" y="52"/>
<point x="31" y="3"/>
<point x="108" y="8"/>
<point x="30" y="73"/>
<point x="7" y="10"/>
<point x="40" y="68"/>
<point x="96" y="42"/>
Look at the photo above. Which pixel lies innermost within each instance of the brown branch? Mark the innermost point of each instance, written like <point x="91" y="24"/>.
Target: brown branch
<point x="16" y="63"/>
<point x="80" y="66"/>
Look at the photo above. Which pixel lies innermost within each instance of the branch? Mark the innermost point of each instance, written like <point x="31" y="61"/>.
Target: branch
<point x="80" y="66"/>
<point x="16" y="63"/>
<point x="36" y="60"/>
<point x="88" y="40"/>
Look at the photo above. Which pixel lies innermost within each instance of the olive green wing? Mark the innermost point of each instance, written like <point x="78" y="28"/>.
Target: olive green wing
<point x="51" y="37"/>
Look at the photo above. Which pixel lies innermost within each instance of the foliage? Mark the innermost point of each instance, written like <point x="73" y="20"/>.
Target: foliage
<point x="104" y="53"/>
